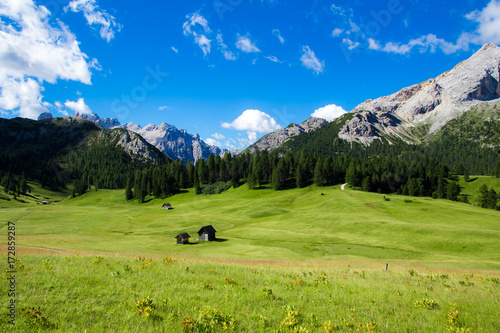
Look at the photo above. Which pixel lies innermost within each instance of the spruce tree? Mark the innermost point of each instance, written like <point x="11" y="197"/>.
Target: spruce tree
<point x="129" y="194"/>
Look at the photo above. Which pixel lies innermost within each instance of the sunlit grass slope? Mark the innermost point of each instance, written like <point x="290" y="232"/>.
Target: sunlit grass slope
<point x="311" y="224"/>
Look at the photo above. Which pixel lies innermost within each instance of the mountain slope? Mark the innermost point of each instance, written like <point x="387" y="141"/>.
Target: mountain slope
<point x="40" y="149"/>
<point x="276" y="138"/>
<point x="175" y="143"/>
<point x="430" y="104"/>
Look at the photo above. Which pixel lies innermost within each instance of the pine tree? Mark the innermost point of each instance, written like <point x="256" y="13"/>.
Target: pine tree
<point x="319" y="175"/>
<point x="453" y="190"/>
<point x="197" y="188"/>
<point x="466" y="176"/>
<point x="484" y="193"/>
<point x="366" y="186"/>
<point x="129" y="194"/>
<point x="279" y="176"/>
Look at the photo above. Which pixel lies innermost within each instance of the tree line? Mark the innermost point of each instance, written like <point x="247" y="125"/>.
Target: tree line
<point x="413" y="175"/>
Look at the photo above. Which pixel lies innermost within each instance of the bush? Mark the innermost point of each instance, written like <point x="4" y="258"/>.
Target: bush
<point x="216" y="188"/>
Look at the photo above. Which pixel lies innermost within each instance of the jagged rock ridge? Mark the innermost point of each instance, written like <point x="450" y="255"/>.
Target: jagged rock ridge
<point x="107" y="123"/>
<point x="175" y="143"/>
<point x="276" y="138"/>
<point x="431" y="103"/>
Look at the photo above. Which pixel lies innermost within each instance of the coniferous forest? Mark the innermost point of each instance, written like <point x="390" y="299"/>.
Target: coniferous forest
<point x="312" y="158"/>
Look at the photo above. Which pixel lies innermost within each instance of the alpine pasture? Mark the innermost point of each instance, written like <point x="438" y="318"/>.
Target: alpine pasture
<point x="310" y="260"/>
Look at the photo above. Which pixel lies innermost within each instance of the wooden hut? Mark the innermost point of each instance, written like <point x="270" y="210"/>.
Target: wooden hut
<point x="167" y="206"/>
<point x="183" y="238"/>
<point x="207" y="233"/>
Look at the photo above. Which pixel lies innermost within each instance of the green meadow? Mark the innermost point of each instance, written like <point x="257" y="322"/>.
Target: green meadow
<point x="120" y="294"/>
<point x="307" y="260"/>
<point x="311" y="224"/>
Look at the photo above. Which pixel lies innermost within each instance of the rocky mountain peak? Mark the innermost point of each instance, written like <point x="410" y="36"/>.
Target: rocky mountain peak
<point x="433" y="102"/>
<point x="107" y="123"/>
<point x="275" y="139"/>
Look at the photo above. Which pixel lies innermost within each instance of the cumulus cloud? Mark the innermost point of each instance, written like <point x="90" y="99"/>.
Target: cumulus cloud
<point x="488" y="19"/>
<point x="329" y="112"/>
<point x="96" y="17"/>
<point x="197" y="27"/>
<point x="32" y="52"/>
<point x="310" y="61"/>
<point x="254" y="121"/>
<point x="277" y="33"/>
<point x="246" y="45"/>
<point x="213" y="142"/>
<point x="79" y="106"/>
<point x="163" y="107"/>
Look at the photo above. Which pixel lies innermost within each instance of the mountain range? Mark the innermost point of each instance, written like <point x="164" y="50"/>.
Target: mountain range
<point x="414" y="114"/>
<point x="176" y="143"/>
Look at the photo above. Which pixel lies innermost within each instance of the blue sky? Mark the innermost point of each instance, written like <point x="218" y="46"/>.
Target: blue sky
<point x="229" y="70"/>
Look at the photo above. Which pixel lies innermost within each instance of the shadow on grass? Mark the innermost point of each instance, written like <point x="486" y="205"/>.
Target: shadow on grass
<point x="220" y="240"/>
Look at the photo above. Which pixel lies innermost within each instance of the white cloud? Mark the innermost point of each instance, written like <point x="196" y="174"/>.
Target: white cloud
<point x="350" y="44"/>
<point x="310" y="61"/>
<point x="204" y="43"/>
<point x="163" y="107"/>
<point x="79" y="106"/>
<point x="218" y="136"/>
<point x="423" y="44"/>
<point x="246" y="45"/>
<point x="277" y="33"/>
<point x="95" y="16"/>
<point x="33" y="52"/>
<point x="174" y="49"/>
<point x="197" y="27"/>
<point x="59" y="107"/>
<point x="489" y="23"/>
<point x="329" y="112"/>
<point x="337" y="32"/>
<point x="487" y="31"/>
<point x="254" y="121"/>
<point x="94" y="64"/>
<point x="273" y="59"/>
<point x="373" y="44"/>
<point x="337" y="10"/>
<point x="213" y="142"/>
<point x="228" y="55"/>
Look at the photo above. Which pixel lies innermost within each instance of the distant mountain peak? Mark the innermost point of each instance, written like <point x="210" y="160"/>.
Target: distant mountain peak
<point x="107" y="123"/>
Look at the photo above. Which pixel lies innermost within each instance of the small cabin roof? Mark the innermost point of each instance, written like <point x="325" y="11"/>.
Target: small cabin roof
<point x="207" y="229"/>
<point x="184" y="235"/>
<point x="167" y="205"/>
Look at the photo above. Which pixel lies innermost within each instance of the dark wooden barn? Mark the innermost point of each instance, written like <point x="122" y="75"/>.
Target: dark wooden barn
<point x="167" y="206"/>
<point x="207" y="233"/>
<point x="183" y="238"/>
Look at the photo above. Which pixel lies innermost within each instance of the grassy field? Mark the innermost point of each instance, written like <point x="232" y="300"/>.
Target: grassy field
<point x="119" y="294"/>
<point x="471" y="188"/>
<point x="303" y="260"/>
<point x="311" y="224"/>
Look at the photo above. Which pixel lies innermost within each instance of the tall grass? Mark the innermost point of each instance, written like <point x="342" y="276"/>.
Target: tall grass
<point x="119" y="294"/>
